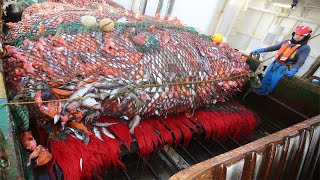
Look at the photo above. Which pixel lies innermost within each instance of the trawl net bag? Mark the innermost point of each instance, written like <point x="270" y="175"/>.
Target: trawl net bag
<point x="77" y="67"/>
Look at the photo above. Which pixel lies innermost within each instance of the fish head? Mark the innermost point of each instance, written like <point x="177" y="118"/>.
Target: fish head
<point x="47" y="94"/>
<point x="24" y="80"/>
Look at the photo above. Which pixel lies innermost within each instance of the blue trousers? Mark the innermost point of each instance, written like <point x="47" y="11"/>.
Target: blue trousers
<point x="272" y="78"/>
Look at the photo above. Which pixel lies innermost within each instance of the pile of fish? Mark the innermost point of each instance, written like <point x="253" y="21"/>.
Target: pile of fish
<point x="146" y="66"/>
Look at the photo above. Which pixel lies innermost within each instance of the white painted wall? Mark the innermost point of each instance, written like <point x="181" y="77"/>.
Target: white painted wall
<point x="245" y="23"/>
<point x="230" y="16"/>
<point x="198" y="13"/>
<point x="256" y="21"/>
<point x="125" y="3"/>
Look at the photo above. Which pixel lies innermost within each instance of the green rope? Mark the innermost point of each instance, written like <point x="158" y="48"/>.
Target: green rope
<point x="69" y="28"/>
<point x="21" y="117"/>
<point x="144" y="25"/>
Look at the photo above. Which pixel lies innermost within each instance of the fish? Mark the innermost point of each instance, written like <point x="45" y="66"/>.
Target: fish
<point x="97" y="133"/>
<point x="118" y="91"/>
<point x="107" y="133"/>
<point x="81" y="163"/>
<point x="105" y="124"/>
<point x="91" y="103"/>
<point x="134" y="123"/>
<point x="79" y="134"/>
<point x="73" y="105"/>
<point x="80" y="126"/>
<point x="139" y="103"/>
<point x="106" y="85"/>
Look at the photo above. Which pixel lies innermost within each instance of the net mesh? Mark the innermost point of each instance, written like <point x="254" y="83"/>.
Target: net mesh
<point x="145" y="66"/>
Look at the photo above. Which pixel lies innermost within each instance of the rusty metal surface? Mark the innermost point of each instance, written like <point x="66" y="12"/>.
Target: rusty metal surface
<point x="288" y="154"/>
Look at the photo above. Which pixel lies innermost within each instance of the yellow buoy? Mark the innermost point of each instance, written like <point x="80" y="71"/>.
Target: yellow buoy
<point x="106" y="24"/>
<point x="217" y="38"/>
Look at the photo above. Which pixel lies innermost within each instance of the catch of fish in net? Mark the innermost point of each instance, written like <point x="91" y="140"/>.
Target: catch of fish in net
<point x="77" y="65"/>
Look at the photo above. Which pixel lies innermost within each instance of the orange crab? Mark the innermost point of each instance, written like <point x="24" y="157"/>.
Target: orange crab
<point x="39" y="157"/>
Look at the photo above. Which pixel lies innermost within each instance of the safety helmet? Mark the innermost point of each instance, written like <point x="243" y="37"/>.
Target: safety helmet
<point x="217" y="38"/>
<point x="303" y="30"/>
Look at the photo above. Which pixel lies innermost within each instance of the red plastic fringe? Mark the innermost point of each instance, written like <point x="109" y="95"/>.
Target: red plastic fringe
<point x="147" y="138"/>
<point x="190" y="124"/>
<point x="151" y="134"/>
<point x="186" y="132"/>
<point x="168" y="123"/>
<point x="165" y="134"/>
<point x="200" y="117"/>
<point x="67" y="153"/>
<point x="120" y="130"/>
<point x="150" y="131"/>
<point x="97" y="156"/>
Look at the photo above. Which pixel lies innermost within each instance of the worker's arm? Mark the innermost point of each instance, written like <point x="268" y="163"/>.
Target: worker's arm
<point x="268" y="49"/>
<point x="275" y="47"/>
<point x="303" y="53"/>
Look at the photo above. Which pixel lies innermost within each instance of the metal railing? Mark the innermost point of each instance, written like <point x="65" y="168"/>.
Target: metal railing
<point x="291" y="153"/>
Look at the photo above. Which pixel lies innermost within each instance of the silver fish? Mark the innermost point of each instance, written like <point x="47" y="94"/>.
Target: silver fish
<point x="139" y="103"/>
<point x="118" y="91"/>
<point x="134" y="123"/>
<point x="56" y="118"/>
<point x="107" y="133"/>
<point x="103" y="96"/>
<point x="79" y="134"/>
<point x="97" y="133"/>
<point x="99" y="124"/>
<point x="81" y="92"/>
<point x="106" y="85"/>
<point x="91" y="95"/>
<point x="73" y="105"/>
<point x="91" y="103"/>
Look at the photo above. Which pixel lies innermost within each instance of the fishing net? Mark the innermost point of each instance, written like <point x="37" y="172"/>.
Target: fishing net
<point x="145" y="66"/>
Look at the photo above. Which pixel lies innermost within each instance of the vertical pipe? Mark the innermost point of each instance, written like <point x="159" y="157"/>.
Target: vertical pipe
<point x="135" y="6"/>
<point x="218" y="16"/>
<point x="143" y="5"/>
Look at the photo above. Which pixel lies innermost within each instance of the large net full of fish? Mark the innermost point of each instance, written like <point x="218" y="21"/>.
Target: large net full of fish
<point x="145" y="66"/>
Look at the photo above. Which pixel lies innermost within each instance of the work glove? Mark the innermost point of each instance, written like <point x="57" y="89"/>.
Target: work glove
<point x="290" y="73"/>
<point x="258" y="51"/>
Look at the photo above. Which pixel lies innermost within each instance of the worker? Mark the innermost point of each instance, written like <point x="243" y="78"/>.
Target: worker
<point x="290" y="57"/>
